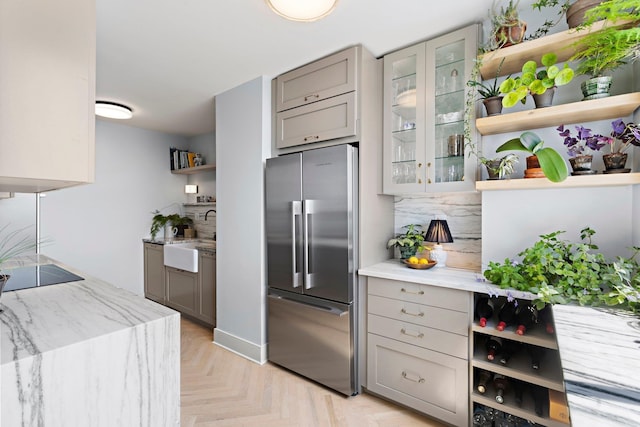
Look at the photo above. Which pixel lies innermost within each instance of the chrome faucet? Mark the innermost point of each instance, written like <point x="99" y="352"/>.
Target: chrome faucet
<point x="207" y="213"/>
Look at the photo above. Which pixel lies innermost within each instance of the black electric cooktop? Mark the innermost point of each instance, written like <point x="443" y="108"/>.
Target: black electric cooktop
<point x="38" y="275"/>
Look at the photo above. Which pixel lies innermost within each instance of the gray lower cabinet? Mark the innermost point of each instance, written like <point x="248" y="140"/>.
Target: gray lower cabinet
<point x="207" y="303"/>
<point x="154" y="276"/>
<point x="192" y="294"/>
<point x="418" y="346"/>
<point x="182" y="291"/>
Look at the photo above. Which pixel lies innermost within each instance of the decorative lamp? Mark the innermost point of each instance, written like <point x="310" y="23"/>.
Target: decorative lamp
<point x="438" y="232"/>
<point x="112" y="110"/>
<point x="305" y="11"/>
<point x="191" y="189"/>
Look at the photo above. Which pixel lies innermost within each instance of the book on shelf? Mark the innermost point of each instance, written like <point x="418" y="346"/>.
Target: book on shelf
<point x="181" y="159"/>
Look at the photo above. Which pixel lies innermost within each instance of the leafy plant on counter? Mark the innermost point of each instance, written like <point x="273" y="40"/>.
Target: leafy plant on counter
<point x="561" y="272"/>
<point x="15" y="243"/>
<point x="408" y="242"/>
<point x="551" y="162"/>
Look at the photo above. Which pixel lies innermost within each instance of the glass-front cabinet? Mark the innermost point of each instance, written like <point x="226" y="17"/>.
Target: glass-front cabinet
<point x="424" y="102"/>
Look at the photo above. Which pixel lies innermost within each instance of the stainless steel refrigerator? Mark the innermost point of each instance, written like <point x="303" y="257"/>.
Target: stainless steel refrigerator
<point x="311" y="212"/>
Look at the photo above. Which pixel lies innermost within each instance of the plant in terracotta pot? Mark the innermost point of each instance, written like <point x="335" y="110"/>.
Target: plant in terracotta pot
<point x="601" y="52"/>
<point x="562" y="272"/>
<point x="409" y="242"/>
<point x="580" y="147"/>
<point x="543" y="161"/>
<point x="623" y="136"/>
<point x="507" y="27"/>
<point x="540" y="84"/>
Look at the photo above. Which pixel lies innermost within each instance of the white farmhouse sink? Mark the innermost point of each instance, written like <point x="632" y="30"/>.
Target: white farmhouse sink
<point x="182" y="255"/>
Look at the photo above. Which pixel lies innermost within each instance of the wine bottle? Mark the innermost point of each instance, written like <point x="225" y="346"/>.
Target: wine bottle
<point x="494" y="347"/>
<point x="484" y="310"/>
<point x="500" y="383"/>
<point x="484" y="377"/>
<point x="509" y="348"/>
<point x="526" y="316"/>
<point x="540" y="399"/>
<point x="507" y="315"/>
<point x="545" y="316"/>
<point x="535" y="353"/>
<point x="518" y="390"/>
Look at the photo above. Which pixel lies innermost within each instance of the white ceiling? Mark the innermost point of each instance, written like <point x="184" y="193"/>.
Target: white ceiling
<point x="167" y="59"/>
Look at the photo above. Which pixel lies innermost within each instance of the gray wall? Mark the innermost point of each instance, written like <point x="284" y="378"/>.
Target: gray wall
<point x="98" y="228"/>
<point x="243" y="129"/>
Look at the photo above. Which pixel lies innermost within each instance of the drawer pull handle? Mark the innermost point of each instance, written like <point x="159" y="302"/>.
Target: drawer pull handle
<point x="406" y="376"/>
<point x="409" y="292"/>
<point x="312" y="96"/>
<point x="311" y="138"/>
<point x="418" y="335"/>
<point x="419" y="314"/>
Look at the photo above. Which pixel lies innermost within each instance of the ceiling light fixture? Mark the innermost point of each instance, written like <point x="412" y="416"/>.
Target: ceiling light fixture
<point x="112" y="110"/>
<point x="306" y="11"/>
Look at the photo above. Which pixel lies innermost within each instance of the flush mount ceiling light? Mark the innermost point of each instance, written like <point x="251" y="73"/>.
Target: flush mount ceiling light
<point x="112" y="110"/>
<point x="307" y="11"/>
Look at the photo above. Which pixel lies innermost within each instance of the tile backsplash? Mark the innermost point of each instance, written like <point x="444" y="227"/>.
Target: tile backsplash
<point x="196" y="211"/>
<point x="463" y="212"/>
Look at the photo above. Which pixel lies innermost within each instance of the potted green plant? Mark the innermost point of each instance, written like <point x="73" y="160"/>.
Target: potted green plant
<point x="13" y="244"/>
<point x="540" y="84"/>
<point x="543" y="161"/>
<point x="603" y="51"/>
<point x="409" y="242"/>
<point x="489" y="92"/>
<point x="158" y="222"/>
<point x="562" y="7"/>
<point x="500" y="168"/>
<point x="580" y="146"/>
<point x="561" y="272"/>
<point x="507" y="27"/>
<point x="180" y="222"/>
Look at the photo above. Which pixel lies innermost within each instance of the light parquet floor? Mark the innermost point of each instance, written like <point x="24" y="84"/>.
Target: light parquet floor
<point x="220" y="388"/>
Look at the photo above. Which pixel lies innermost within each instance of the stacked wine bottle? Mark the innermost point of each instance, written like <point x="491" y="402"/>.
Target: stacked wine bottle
<point x="516" y="363"/>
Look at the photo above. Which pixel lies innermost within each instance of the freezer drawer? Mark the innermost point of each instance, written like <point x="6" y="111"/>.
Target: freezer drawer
<point x="314" y="339"/>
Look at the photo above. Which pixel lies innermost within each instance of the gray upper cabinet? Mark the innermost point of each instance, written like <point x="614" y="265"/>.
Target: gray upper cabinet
<point x="318" y="102"/>
<point x="47" y="123"/>
<point x="322" y="79"/>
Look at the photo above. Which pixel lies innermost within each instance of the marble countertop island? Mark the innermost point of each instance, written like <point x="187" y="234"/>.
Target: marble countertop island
<point x="87" y="353"/>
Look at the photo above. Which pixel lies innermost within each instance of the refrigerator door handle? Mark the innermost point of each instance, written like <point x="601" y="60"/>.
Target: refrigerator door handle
<point x="296" y="211"/>
<point x="307" y="208"/>
<point x="325" y="309"/>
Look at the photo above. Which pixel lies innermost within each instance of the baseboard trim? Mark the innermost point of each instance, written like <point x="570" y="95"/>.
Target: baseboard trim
<point x="241" y="347"/>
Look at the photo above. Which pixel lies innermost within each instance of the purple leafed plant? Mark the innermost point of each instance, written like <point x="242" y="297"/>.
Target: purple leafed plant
<point x="576" y="145"/>
<point x="626" y="133"/>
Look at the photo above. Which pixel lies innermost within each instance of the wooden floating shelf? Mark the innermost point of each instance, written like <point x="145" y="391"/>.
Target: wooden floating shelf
<point x="575" y="112"/>
<point x="196" y="169"/>
<point x="599" y="180"/>
<point x="514" y="56"/>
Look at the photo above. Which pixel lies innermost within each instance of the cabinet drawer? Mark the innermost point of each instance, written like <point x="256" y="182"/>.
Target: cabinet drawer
<point x="422" y="336"/>
<point x="436" y="296"/>
<point x="431" y="382"/>
<point x="322" y="79"/>
<point x="433" y="317"/>
<point x="330" y="119"/>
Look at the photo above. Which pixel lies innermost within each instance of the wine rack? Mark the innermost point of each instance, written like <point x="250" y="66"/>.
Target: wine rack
<point x="518" y="368"/>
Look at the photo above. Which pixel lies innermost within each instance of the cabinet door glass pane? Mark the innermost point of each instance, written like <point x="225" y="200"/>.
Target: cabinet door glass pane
<point x="403" y="123"/>
<point x="449" y="112"/>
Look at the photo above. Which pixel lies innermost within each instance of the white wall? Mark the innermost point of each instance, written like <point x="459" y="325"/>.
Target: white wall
<point x="243" y="141"/>
<point x="98" y="228"/>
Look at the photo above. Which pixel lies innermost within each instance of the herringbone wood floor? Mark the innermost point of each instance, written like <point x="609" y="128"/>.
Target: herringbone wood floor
<point x="220" y="388"/>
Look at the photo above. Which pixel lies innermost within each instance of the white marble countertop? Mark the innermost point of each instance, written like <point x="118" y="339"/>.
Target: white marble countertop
<point x="600" y="353"/>
<point x="41" y="319"/>
<point x="445" y="277"/>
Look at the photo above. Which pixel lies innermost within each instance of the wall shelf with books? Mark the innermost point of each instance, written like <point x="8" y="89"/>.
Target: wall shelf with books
<point x="195" y="169"/>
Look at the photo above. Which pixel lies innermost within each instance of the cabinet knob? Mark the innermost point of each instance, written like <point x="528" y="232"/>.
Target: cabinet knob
<point x="418" y="314"/>
<point x="312" y="96"/>
<point x="311" y="138"/>
<point x="419" y="165"/>
<point x="429" y="164"/>
<point x="420" y="181"/>
<point x="414" y="378"/>
<point x="429" y="181"/>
